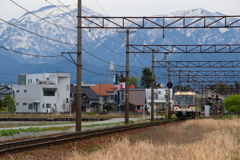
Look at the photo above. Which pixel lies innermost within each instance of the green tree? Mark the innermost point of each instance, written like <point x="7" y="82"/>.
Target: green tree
<point x="107" y="106"/>
<point x="9" y="103"/>
<point x="146" y="77"/>
<point x="232" y="103"/>
<point x="2" y="108"/>
<point x="237" y="87"/>
<point x="133" y="81"/>
<point x="121" y="78"/>
<point x="221" y="88"/>
<point x="1" y="103"/>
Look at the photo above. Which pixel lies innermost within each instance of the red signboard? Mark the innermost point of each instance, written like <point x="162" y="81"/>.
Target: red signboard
<point x="132" y="86"/>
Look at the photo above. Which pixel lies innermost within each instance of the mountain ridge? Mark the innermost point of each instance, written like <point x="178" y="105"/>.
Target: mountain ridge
<point x="102" y="46"/>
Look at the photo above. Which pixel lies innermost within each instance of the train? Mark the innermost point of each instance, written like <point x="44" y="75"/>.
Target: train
<point x="187" y="104"/>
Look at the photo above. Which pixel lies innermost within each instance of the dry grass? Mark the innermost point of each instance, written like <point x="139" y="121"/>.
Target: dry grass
<point x="194" y="139"/>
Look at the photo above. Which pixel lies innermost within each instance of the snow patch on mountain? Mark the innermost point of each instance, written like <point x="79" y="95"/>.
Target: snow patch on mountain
<point x="100" y="46"/>
<point x="223" y="30"/>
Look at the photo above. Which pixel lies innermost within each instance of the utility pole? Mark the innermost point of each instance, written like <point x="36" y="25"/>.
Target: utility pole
<point x="99" y="97"/>
<point x="79" y="69"/>
<point x="169" y="106"/>
<point x="127" y="77"/>
<point x="152" y="88"/>
<point x="179" y="83"/>
<point x="127" y="80"/>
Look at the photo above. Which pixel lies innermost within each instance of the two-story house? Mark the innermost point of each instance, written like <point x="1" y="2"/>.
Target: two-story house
<point x="136" y="99"/>
<point x="106" y="93"/>
<point x="159" y="99"/>
<point x="44" y="92"/>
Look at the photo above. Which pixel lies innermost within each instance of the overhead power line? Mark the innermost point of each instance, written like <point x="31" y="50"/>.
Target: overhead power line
<point x="37" y="34"/>
<point x="102" y="7"/>
<point x="61" y="9"/>
<point x="101" y="59"/>
<point x="94" y="72"/>
<point x="90" y="30"/>
<point x="67" y="7"/>
<point x="104" y="44"/>
<point x="42" y="18"/>
<point x="33" y="55"/>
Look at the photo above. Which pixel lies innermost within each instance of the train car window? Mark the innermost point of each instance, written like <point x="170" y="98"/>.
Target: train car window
<point x="184" y="99"/>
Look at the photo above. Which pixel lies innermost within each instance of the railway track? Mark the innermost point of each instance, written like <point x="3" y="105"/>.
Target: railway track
<point x="20" y="146"/>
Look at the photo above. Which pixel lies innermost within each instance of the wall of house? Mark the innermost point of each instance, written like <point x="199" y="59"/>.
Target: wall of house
<point x="159" y="98"/>
<point x="30" y="97"/>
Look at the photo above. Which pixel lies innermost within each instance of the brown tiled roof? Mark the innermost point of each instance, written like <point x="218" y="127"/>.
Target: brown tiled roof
<point x="103" y="89"/>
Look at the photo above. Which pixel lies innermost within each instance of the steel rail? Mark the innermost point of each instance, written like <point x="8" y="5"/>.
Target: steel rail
<point x="20" y="146"/>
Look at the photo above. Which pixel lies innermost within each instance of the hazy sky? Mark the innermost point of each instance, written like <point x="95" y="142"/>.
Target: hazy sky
<point x="9" y="10"/>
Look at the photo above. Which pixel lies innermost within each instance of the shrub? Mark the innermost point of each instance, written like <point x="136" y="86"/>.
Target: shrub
<point x="3" y="109"/>
<point x="89" y="113"/>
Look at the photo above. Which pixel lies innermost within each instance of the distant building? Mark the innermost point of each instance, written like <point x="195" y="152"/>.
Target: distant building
<point x="106" y="93"/>
<point x="44" y="92"/>
<point x="5" y="90"/>
<point x="159" y="99"/>
<point x="89" y="98"/>
<point x="136" y="99"/>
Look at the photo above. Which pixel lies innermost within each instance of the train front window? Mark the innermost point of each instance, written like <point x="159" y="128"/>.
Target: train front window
<point x="183" y="99"/>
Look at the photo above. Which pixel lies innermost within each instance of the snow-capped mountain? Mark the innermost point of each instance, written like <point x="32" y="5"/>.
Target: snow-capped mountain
<point x="52" y="30"/>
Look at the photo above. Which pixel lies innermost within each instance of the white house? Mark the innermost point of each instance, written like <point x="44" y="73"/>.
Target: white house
<point x="159" y="99"/>
<point x="44" y="92"/>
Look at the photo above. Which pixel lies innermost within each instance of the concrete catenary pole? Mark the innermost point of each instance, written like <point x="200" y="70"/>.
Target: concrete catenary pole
<point x="152" y="88"/>
<point x="169" y="105"/>
<point x="127" y="80"/>
<point x="79" y="69"/>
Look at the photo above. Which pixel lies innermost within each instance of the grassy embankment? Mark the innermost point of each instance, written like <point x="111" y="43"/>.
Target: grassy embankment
<point x="194" y="140"/>
<point x="10" y="132"/>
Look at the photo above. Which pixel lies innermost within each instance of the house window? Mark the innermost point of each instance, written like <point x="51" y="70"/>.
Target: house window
<point x="66" y="100"/>
<point x="48" y="105"/>
<point x="112" y="97"/>
<point x="139" y="107"/>
<point x="122" y="96"/>
<point x="67" y="87"/>
<point x="17" y="91"/>
<point x="24" y="103"/>
<point x="17" y="104"/>
<point x="105" y="98"/>
<point x="43" y="105"/>
<point x="155" y="96"/>
<point x="30" y="106"/>
<point x="25" y="91"/>
<point x="63" y="106"/>
<point x="48" y="93"/>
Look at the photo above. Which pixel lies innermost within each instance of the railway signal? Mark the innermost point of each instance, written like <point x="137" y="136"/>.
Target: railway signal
<point x="169" y="84"/>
